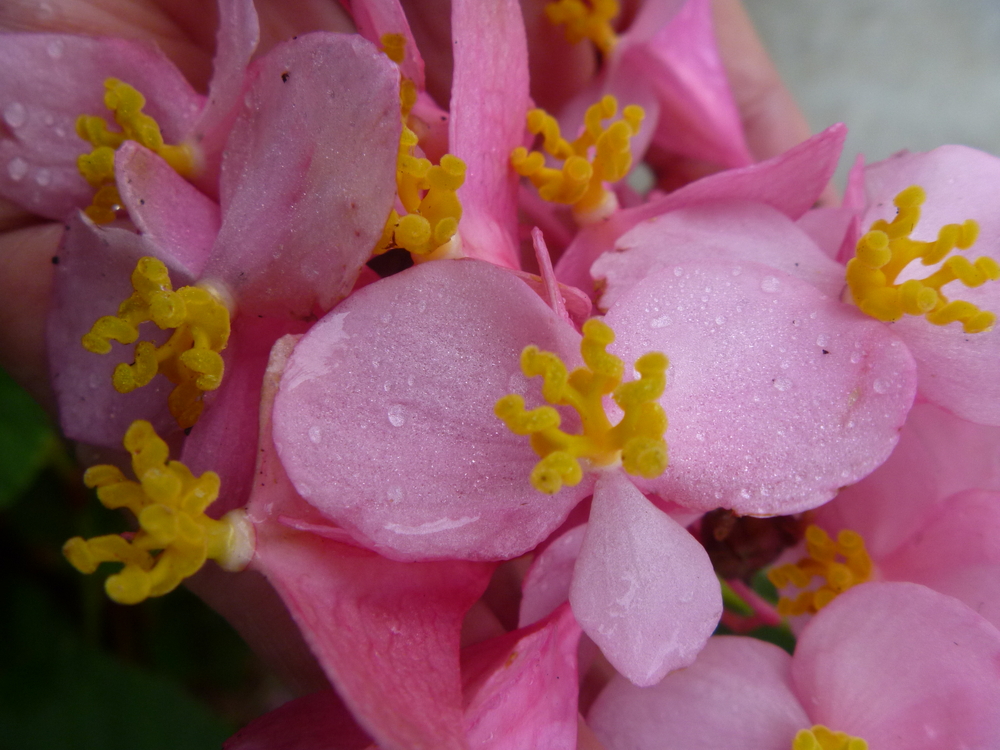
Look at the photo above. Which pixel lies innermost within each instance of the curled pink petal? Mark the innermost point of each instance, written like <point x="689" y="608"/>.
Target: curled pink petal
<point x="643" y="589"/>
<point x="375" y="18"/>
<point x="776" y="395"/>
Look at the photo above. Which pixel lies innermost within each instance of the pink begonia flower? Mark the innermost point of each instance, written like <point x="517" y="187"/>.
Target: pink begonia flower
<point x="412" y="462"/>
<point x="895" y="664"/>
<point x="956" y="370"/>
<point x="291" y="179"/>
<point x="52" y="79"/>
<point x="520" y="691"/>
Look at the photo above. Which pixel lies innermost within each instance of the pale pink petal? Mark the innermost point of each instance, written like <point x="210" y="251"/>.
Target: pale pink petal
<point x="375" y="18"/>
<point x="724" y="230"/>
<point x="165" y="207"/>
<point x="546" y="584"/>
<point x="938" y="455"/>
<point x="698" y="117"/>
<point x="385" y="417"/>
<point x="521" y="688"/>
<point x="315" y="722"/>
<point x="776" y="395"/>
<point x="955" y="369"/>
<point x="737" y="695"/>
<point x="552" y="290"/>
<point x="489" y="101"/>
<point x="235" y="42"/>
<point x="903" y="667"/>
<point x="309" y="175"/>
<point x="644" y="589"/>
<point x="957" y="552"/>
<point x="828" y="227"/>
<point x="386" y="633"/>
<point x="50" y="80"/>
<point x="791" y="183"/>
<point x="92" y="278"/>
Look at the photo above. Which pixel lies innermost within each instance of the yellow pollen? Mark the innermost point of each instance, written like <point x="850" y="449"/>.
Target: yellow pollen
<point x="600" y="155"/>
<point x="822" y="738"/>
<point x="428" y="193"/>
<point x="636" y="441"/>
<point x="854" y="566"/>
<point x="175" y="537"/>
<point x="887" y="249"/>
<point x="190" y="358"/>
<point x="98" y="167"/>
<point x="586" y="19"/>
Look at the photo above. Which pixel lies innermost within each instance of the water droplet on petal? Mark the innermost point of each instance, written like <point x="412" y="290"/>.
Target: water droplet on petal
<point x="782" y="384"/>
<point x="396" y="416"/>
<point x="661" y="322"/>
<point x="678" y="271"/>
<point x="770" y="284"/>
<point x="43" y="177"/>
<point x="822" y="340"/>
<point x="409" y="380"/>
<point x="880" y="385"/>
<point x="55" y="48"/>
<point x="315" y="434"/>
<point x="17" y="168"/>
<point x="395" y="493"/>
<point x="15" y="115"/>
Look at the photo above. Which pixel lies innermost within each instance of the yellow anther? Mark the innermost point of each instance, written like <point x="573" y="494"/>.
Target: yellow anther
<point x="820" y="737"/>
<point x="586" y="19"/>
<point x="98" y="167"/>
<point x="600" y="155"/>
<point x="175" y="537"/>
<point x="887" y="249"/>
<point x="427" y="193"/>
<point x="841" y="564"/>
<point x="636" y="442"/>
<point x="190" y="358"/>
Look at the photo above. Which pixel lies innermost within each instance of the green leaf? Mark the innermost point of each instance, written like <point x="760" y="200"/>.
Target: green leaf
<point x="27" y="440"/>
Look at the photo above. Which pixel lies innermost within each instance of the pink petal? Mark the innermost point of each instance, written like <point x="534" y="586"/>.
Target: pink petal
<point x="644" y="588"/>
<point x="385" y="417"/>
<point x="901" y="666"/>
<point x="521" y="688"/>
<point x="828" y="227"/>
<point x="165" y="207"/>
<point x="315" y="722"/>
<point x="489" y="102"/>
<point x="957" y="552"/>
<point x="737" y="695"/>
<point x="938" y="455"/>
<point x="375" y="18"/>
<point x="386" y="633"/>
<point x="791" y="183"/>
<point x="547" y="582"/>
<point x="308" y="176"/>
<point x="698" y="116"/>
<point x="730" y="230"/>
<point x="777" y="396"/>
<point x="91" y="279"/>
<point x="51" y="79"/>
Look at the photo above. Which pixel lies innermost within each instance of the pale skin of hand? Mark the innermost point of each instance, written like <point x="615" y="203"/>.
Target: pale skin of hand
<point x="185" y="31"/>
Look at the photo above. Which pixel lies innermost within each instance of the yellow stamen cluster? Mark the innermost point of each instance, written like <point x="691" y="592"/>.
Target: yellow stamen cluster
<point x="580" y="181"/>
<point x="822" y="738"/>
<point x="98" y="167"/>
<point x="586" y="19"/>
<point x="190" y="357"/>
<point x="636" y="441"/>
<point x="887" y="249"/>
<point x="821" y="561"/>
<point x="175" y="537"/>
<point x="428" y="193"/>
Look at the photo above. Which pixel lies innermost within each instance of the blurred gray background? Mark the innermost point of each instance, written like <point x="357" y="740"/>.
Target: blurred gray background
<point x="909" y="74"/>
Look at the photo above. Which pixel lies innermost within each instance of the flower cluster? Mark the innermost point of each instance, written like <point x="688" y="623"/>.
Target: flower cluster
<point x="412" y="350"/>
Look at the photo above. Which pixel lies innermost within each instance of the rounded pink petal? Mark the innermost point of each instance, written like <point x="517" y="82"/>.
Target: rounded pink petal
<point x="721" y="230"/>
<point x="385" y="419"/>
<point x="308" y="176"/>
<point x="547" y="582"/>
<point x="776" y="395"/>
<point x="643" y="589"/>
<point x="737" y="695"/>
<point x="902" y="667"/>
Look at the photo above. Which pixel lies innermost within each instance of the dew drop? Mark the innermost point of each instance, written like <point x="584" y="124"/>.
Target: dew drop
<point x="421" y="306"/>
<point x="782" y="384"/>
<point x="720" y="321"/>
<point x="700" y="436"/>
<point x="386" y="318"/>
<point x="386" y="386"/>
<point x="17" y="168"/>
<point x="50" y="120"/>
<point x="880" y="385"/>
<point x="661" y="322"/>
<point x="396" y="417"/>
<point x="678" y="271"/>
<point x="15" y="115"/>
<point x="737" y="271"/>
<point x="822" y="340"/>
<point x="770" y="284"/>
<point x="395" y="493"/>
<point x="43" y="177"/>
<point x="855" y="358"/>
<point x="409" y="380"/>
<point x="315" y="434"/>
<point x="61" y="132"/>
<point x="745" y="493"/>
<point x="55" y="48"/>
<point x="94" y="381"/>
